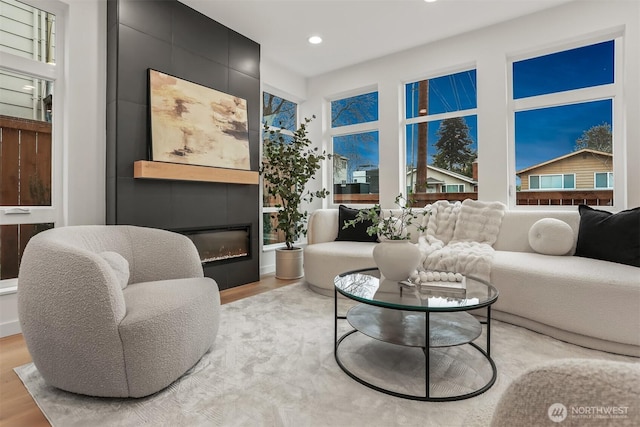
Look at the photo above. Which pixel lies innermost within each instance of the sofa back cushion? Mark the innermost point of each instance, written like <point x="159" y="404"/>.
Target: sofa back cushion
<point x="323" y="225"/>
<point x="353" y="233"/>
<point x="514" y="231"/>
<point x="609" y="237"/>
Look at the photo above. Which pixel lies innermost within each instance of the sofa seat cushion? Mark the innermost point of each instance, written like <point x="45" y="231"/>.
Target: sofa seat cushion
<point x="324" y="261"/>
<point x="580" y="295"/>
<point x="164" y="319"/>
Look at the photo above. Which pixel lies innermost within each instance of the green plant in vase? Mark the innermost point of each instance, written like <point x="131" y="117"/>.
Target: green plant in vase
<point x="392" y="226"/>
<point x="289" y="163"/>
<point x="395" y="255"/>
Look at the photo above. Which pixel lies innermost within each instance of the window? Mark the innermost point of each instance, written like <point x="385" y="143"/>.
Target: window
<point x="441" y="136"/>
<point x="277" y="113"/>
<point x="563" y="125"/>
<point x="603" y="180"/>
<point x="552" y="182"/>
<point x="30" y="126"/>
<point x="354" y="122"/>
<point x="453" y="188"/>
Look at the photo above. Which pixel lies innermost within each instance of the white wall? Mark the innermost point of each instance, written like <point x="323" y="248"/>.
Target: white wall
<point x="84" y="145"/>
<point x="487" y="49"/>
<point x="85" y="158"/>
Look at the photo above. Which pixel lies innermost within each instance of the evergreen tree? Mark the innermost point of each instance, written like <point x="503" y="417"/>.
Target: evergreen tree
<point x="454" y="152"/>
<point x="596" y="138"/>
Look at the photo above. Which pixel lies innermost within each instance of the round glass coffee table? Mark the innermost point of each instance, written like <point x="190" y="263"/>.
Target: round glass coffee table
<point x="400" y="314"/>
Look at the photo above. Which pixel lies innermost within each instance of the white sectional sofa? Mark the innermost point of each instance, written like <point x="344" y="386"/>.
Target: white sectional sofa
<point x="584" y="301"/>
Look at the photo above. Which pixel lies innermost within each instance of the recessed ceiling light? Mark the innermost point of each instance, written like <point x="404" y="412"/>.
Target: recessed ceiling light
<point x="430" y="1"/>
<point x="315" y="39"/>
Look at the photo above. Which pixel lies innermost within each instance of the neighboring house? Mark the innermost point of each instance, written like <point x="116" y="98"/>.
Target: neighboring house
<point x="28" y="33"/>
<point x="363" y="181"/>
<point x="443" y="181"/>
<point x="584" y="169"/>
<point x="340" y="165"/>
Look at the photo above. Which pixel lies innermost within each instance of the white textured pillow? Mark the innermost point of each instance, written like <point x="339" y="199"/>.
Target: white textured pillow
<point x="550" y="236"/>
<point x="119" y="265"/>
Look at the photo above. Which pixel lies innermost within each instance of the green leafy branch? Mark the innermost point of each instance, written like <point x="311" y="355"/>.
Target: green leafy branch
<point x="391" y="227"/>
<point x="289" y="163"/>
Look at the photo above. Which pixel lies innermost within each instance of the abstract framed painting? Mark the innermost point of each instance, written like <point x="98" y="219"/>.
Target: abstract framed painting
<point x="197" y="125"/>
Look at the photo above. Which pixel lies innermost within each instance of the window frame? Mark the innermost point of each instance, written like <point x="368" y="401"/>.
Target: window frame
<point x="612" y="91"/>
<point x="428" y="118"/>
<point x="562" y="177"/>
<point x="55" y="213"/>
<point x="609" y="180"/>
<point x="273" y="209"/>
<point x="446" y="188"/>
<point x="346" y="130"/>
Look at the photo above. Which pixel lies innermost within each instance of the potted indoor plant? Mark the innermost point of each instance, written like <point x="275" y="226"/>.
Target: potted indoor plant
<point x="395" y="255"/>
<point x="288" y="164"/>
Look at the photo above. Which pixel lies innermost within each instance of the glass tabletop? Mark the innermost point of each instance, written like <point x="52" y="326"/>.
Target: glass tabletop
<point x="369" y="287"/>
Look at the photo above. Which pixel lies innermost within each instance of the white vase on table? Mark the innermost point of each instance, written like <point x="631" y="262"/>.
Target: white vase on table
<point x="396" y="259"/>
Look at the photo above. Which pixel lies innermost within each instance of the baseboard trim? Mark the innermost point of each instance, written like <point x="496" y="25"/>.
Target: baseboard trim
<point x="267" y="269"/>
<point x="9" y="328"/>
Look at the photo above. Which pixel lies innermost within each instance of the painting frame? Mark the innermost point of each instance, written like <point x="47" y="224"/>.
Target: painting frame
<point x="193" y="124"/>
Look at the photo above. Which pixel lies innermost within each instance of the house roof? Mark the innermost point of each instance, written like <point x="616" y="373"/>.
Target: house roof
<point x="446" y="172"/>
<point x="566" y="156"/>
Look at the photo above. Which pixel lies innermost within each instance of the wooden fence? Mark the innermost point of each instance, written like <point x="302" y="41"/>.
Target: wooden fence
<point x="25" y="173"/>
<point x="565" y="198"/>
<point x="529" y="198"/>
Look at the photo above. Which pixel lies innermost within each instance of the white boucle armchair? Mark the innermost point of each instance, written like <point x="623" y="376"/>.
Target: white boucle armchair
<point x="117" y="311"/>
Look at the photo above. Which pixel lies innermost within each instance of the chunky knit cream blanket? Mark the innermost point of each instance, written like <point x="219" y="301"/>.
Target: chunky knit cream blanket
<point x="459" y="236"/>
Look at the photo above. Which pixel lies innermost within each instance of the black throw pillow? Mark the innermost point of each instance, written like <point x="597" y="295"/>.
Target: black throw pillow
<point x="609" y="237"/>
<point x="353" y="234"/>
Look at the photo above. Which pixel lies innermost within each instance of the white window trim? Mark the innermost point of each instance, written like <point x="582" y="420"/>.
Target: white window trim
<point x="431" y="117"/>
<point x="597" y="93"/>
<point x="54" y="73"/>
<point x="273" y="209"/>
<point x="346" y="130"/>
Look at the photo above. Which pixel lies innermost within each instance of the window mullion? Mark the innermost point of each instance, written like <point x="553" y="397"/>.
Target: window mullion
<point x="441" y="116"/>
<point x="565" y="98"/>
<point x="28" y="66"/>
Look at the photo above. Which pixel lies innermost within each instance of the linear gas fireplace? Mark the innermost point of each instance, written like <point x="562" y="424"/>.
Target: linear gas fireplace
<point x="221" y="244"/>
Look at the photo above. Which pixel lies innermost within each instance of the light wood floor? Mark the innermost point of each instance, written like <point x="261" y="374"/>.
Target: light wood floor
<point x="18" y="409"/>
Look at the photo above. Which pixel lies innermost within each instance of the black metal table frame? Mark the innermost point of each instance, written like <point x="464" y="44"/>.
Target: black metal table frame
<point x="426" y="350"/>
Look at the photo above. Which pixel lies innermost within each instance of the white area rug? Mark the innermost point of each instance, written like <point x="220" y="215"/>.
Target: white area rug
<point x="273" y="365"/>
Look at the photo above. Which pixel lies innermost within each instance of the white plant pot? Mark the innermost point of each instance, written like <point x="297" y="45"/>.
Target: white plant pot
<point x="396" y="259"/>
<point x="289" y="263"/>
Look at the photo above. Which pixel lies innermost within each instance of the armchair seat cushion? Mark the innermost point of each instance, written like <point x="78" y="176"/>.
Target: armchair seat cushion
<point x="165" y="335"/>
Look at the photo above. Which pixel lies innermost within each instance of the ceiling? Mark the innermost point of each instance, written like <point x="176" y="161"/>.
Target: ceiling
<point x="354" y="30"/>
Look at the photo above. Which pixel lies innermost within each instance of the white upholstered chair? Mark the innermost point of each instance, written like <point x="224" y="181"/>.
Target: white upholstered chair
<point x="572" y="392"/>
<point x="118" y="311"/>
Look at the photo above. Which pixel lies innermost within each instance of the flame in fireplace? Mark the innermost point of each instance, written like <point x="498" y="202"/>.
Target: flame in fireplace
<point x="218" y="244"/>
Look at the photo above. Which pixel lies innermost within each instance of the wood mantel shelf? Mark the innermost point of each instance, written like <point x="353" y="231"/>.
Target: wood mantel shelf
<point x="181" y="172"/>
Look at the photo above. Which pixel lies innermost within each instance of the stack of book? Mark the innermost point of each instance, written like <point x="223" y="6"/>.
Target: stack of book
<point x="449" y="287"/>
<point x="442" y="288"/>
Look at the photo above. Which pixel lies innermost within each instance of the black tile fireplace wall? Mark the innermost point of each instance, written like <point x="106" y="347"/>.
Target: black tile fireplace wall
<point x="170" y="37"/>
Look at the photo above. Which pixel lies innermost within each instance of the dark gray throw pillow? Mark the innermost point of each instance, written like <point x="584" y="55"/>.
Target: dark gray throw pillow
<point x="353" y="234"/>
<point x="609" y="237"/>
